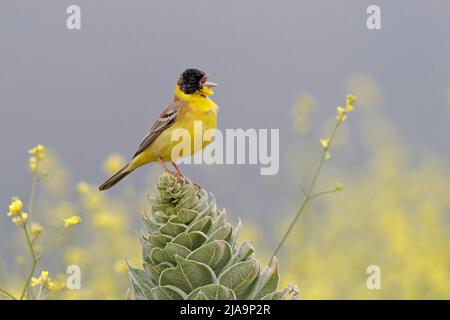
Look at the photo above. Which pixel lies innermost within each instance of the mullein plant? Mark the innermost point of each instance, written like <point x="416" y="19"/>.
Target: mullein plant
<point x="32" y="233"/>
<point x="190" y="250"/>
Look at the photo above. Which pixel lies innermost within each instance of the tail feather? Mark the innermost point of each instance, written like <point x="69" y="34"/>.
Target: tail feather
<point x="111" y="182"/>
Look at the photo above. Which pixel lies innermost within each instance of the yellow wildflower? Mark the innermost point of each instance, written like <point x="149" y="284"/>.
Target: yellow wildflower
<point x="113" y="163"/>
<point x="338" y="186"/>
<point x="108" y="221"/>
<point x="120" y="266"/>
<point x="83" y="187"/>
<point x="36" y="229"/>
<point x="71" y="221"/>
<point x="16" y="207"/>
<point x="33" y="164"/>
<point x="341" y="114"/>
<point x="351" y="99"/>
<point x="57" y="285"/>
<point x="325" y="142"/>
<point x="38" y="151"/>
<point x="20" y="219"/>
<point x="44" y="280"/>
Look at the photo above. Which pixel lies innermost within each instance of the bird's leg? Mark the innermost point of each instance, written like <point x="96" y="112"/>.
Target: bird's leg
<point x="180" y="175"/>
<point x="178" y="170"/>
<point x="161" y="162"/>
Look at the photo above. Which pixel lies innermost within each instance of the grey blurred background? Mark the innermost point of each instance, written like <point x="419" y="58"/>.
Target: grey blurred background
<point x="95" y="91"/>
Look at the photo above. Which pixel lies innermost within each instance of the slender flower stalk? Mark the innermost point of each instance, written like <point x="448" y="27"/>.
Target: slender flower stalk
<point x="38" y="257"/>
<point x="34" y="262"/>
<point x="32" y="194"/>
<point x="6" y="293"/>
<point x="51" y="243"/>
<point x="309" y="194"/>
<point x="32" y="230"/>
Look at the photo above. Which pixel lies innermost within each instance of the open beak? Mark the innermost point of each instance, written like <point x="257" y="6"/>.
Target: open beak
<point x="207" y="83"/>
<point x="210" y="84"/>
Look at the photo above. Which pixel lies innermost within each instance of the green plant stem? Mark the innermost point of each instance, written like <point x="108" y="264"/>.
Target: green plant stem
<point x="30" y="242"/>
<point x="37" y="258"/>
<point x="7" y="294"/>
<point x="52" y="241"/>
<point x="322" y="193"/>
<point x="39" y="293"/>
<point x="33" y="193"/>
<point x="308" y="194"/>
<point x="34" y="262"/>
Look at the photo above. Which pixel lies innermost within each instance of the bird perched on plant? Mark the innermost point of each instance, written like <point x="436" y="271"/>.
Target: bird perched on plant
<point x="190" y="103"/>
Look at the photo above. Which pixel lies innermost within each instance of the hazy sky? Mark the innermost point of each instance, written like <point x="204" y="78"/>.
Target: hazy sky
<point x="91" y="92"/>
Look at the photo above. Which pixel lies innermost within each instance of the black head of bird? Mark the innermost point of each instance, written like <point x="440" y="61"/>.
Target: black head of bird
<point x="193" y="80"/>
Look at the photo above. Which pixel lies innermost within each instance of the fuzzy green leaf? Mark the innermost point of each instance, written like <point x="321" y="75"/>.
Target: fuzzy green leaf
<point x="241" y="278"/>
<point x="202" y="225"/>
<point x="187" y="275"/>
<point x="159" y="240"/>
<point x="168" y="254"/>
<point x="155" y="271"/>
<point x="168" y="293"/>
<point x="218" y="222"/>
<point x="268" y="281"/>
<point x="200" y="296"/>
<point x="244" y="252"/>
<point x="212" y="292"/>
<point x="277" y="295"/>
<point x="147" y="251"/>
<point x="184" y="216"/>
<point x="173" y="229"/>
<point x="191" y="240"/>
<point x="141" y="284"/>
<point x="223" y="233"/>
<point x="235" y="233"/>
<point x="215" y="254"/>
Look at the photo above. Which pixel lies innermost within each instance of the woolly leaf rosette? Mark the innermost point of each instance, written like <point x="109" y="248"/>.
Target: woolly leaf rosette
<point x="190" y="251"/>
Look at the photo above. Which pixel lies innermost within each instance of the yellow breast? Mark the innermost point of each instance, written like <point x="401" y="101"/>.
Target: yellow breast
<point x="200" y="111"/>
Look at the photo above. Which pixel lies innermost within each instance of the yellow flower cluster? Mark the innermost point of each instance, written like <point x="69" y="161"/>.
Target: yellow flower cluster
<point x="38" y="151"/>
<point x="325" y="142"/>
<point x="341" y="116"/>
<point x="113" y="163"/>
<point x="16" y="211"/>
<point x="44" y="281"/>
<point x="107" y="220"/>
<point x="338" y="187"/>
<point x="83" y="187"/>
<point x="342" y="112"/>
<point x="120" y="266"/>
<point x="36" y="230"/>
<point x="72" y="221"/>
<point x="38" y="154"/>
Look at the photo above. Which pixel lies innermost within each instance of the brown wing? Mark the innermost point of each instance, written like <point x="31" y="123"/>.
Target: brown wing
<point x="165" y="120"/>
